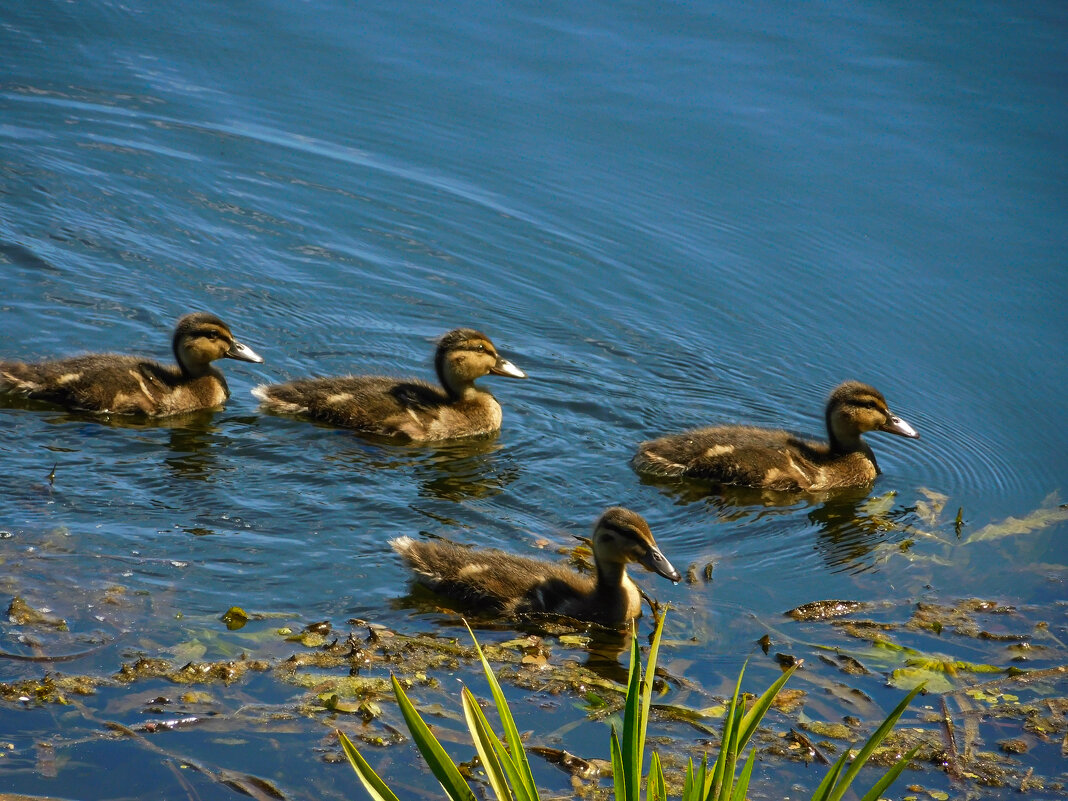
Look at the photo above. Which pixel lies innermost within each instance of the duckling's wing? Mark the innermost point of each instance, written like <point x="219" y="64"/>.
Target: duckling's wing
<point x="559" y="591"/>
<point x="488" y="578"/>
<point x="373" y="404"/>
<point x="96" y="382"/>
<point x="20" y="378"/>
<point x="737" y="455"/>
<point x="700" y="452"/>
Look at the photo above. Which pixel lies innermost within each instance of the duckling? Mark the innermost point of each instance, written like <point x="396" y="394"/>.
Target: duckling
<point x="512" y="584"/>
<point x="114" y="384"/>
<point x="407" y="409"/>
<point x="776" y="460"/>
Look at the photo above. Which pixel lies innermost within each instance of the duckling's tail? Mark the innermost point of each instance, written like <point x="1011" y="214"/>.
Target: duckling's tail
<point x="402" y="544"/>
<point x="17" y="378"/>
<point x="272" y="396"/>
<point x="653" y="464"/>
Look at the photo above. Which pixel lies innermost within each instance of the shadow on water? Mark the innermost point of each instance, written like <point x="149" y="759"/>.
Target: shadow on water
<point x="190" y="434"/>
<point x="850" y="523"/>
<point x="64" y="416"/>
<point x="730" y="503"/>
<point x="603" y="647"/>
<point x="452" y="470"/>
<point x="456" y="471"/>
<point x="851" y="526"/>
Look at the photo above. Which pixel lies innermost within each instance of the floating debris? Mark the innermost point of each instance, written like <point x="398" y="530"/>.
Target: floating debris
<point x="226" y="672"/>
<point x="235" y="618"/>
<point x="822" y="610"/>
<point x="576" y="766"/>
<point x="52" y="689"/>
<point x="22" y="614"/>
<point x="1048" y="514"/>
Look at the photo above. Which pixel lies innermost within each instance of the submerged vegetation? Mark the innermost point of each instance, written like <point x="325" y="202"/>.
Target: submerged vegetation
<point x="994" y="713"/>
<point x="506" y="769"/>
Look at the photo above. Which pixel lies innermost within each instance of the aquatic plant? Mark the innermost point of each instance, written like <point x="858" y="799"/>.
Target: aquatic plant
<point x="508" y="770"/>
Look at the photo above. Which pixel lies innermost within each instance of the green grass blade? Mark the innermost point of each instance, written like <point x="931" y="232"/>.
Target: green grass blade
<point x="441" y="765"/>
<point x="824" y="790"/>
<point x="726" y="790"/>
<point x="689" y="783"/>
<point x="720" y="776"/>
<point x="619" y="779"/>
<point x="515" y="778"/>
<point x="742" y="787"/>
<point x="375" y="787"/>
<point x="873" y="742"/>
<point x="484" y="738"/>
<point x="647" y="687"/>
<point x="889" y="777"/>
<point x="631" y="755"/>
<point x="714" y="779"/>
<point x="709" y="775"/>
<point x="511" y="733"/>
<point x="657" y="789"/>
<point x="694" y="787"/>
<point x="760" y="707"/>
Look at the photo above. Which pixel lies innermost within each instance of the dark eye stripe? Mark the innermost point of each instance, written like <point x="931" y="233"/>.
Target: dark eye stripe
<point x="477" y="348"/>
<point x="869" y="403"/>
<point x="210" y="332"/>
<point x="627" y="533"/>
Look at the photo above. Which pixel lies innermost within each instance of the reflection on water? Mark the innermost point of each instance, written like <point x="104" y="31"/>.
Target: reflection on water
<point x="599" y="646"/>
<point x="190" y="441"/>
<point x="851" y="527"/>
<point x="463" y="470"/>
<point x="63" y="415"/>
<point x="850" y="524"/>
<point x="454" y="470"/>
<point x="678" y="214"/>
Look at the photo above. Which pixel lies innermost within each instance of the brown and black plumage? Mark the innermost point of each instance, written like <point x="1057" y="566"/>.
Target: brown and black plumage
<point x="117" y="384"/>
<point x="509" y="584"/>
<point x="407" y="409"/>
<point x="777" y="460"/>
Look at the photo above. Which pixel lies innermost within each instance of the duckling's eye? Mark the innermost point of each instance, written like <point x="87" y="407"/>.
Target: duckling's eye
<point x="481" y="348"/>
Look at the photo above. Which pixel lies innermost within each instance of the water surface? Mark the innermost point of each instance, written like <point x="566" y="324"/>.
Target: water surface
<point x="668" y="217"/>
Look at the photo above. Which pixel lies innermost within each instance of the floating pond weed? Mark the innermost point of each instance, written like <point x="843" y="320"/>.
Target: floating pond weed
<point x="507" y="772"/>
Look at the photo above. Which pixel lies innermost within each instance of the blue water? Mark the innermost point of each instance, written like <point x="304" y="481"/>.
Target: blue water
<point x="668" y="216"/>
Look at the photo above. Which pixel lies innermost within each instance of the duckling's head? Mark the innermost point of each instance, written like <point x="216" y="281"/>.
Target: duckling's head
<point x="854" y="408"/>
<point x="464" y="355"/>
<point x="622" y="536"/>
<point x="201" y="338"/>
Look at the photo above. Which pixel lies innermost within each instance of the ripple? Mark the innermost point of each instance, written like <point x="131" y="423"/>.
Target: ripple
<point x="956" y="457"/>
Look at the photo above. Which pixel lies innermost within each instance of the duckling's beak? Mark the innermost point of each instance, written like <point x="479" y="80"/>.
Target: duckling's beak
<point x="243" y="353"/>
<point x="895" y="425"/>
<point x="505" y="367"/>
<point x="656" y="561"/>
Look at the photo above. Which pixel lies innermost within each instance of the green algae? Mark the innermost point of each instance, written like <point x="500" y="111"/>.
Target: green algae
<point x="223" y="671"/>
<point x="21" y="613"/>
<point x="860" y="647"/>
<point x="824" y="610"/>
<point x="50" y="689"/>
<point x="1049" y="513"/>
